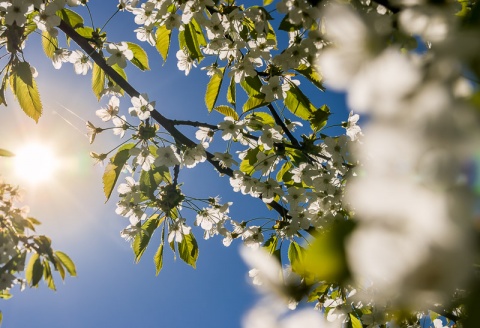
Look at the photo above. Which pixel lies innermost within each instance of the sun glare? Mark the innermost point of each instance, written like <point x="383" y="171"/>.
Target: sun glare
<point x="35" y="163"/>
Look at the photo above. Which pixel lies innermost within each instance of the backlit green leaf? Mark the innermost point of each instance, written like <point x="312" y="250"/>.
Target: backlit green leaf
<point x="296" y="257"/>
<point x="356" y="323"/>
<point x="286" y="25"/>
<point x="198" y="33"/>
<point x="71" y="18"/>
<point x="113" y="169"/>
<point x="247" y="165"/>
<point x="142" y="239"/>
<point x="150" y="180"/>
<point x="34" y="270"/>
<point x="85" y="31"/>
<point x="67" y="263"/>
<point x="191" y="39"/>
<point x="271" y="35"/>
<point x="158" y="257"/>
<point x="254" y="102"/>
<point x="163" y="36"/>
<point x="213" y="89"/>
<point x="232" y="92"/>
<point x="25" y="90"/>
<point x="140" y="58"/>
<point x="98" y="81"/>
<point x="252" y="85"/>
<point x="298" y="103"/>
<point x="49" y="44"/>
<point x="319" y="117"/>
<point x="188" y="250"/>
<point x="227" y="111"/>
<point x="258" y="119"/>
<point x="311" y="74"/>
<point x="271" y="244"/>
<point x="47" y="275"/>
<point x="284" y="173"/>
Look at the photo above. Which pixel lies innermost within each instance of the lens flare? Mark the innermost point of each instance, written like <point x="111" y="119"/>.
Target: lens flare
<point x="35" y="163"/>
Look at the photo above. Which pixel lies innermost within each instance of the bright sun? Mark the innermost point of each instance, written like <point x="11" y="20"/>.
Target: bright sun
<point x="35" y="163"/>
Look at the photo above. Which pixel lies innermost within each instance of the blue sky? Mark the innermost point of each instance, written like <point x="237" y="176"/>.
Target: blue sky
<point x="110" y="290"/>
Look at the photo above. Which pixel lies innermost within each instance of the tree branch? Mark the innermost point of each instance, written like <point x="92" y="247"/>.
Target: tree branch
<point x="167" y="124"/>
<point x="279" y="121"/>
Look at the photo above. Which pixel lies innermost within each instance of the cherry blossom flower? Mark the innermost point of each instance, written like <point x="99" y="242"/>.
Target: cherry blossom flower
<point x="230" y="128"/>
<point x="177" y="230"/>
<point x="141" y="106"/>
<point x="143" y="157"/>
<point x="192" y="156"/>
<point x="119" y="54"/>
<point x="225" y="159"/>
<point x="80" y="61"/>
<point x="185" y="62"/>
<point x="120" y="124"/>
<point x="60" y="56"/>
<point x="167" y="156"/>
<point x="353" y="130"/>
<point x="106" y="114"/>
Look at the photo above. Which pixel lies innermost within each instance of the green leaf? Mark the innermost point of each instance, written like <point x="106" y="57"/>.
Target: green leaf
<point x="232" y="92"/>
<point x="59" y="267"/>
<point x="284" y="173"/>
<point x="296" y="257"/>
<point x="150" y="180"/>
<point x="271" y="244"/>
<point x="47" y="275"/>
<point x="142" y="239"/>
<point x="188" y="249"/>
<point x="252" y="85"/>
<point x="34" y="270"/>
<point x="325" y="257"/>
<point x="227" y="111"/>
<point x="4" y="295"/>
<point x="356" y="323"/>
<point x="311" y="74"/>
<point x="258" y="119"/>
<point x="213" y="89"/>
<point x="191" y="39"/>
<point x="320" y="290"/>
<point x="85" y="31"/>
<point x="271" y="35"/>
<point x="25" y="90"/>
<point x="6" y="153"/>
<point x="247" y="165"/>
<point x="49" y="44"/>
<point x="98" y="81"/>
<point x="158" y="257"/>
<point x="67" y="263"/>
<point x="163" y="36"/>
<point x="140" y="58"/>
<point x="254" y="102"/>
<point x="113" y="169"/>
<point x="319" y="117"/>
<point x="198" y="32"/>
<point x="298" y="103"/>
<point x="267" y="2"/>
<point x="70" y="17"/>
<point x="286" y="25"/>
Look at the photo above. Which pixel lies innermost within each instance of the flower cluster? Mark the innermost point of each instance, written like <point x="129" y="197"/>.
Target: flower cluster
<point x="414" y="239"/>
